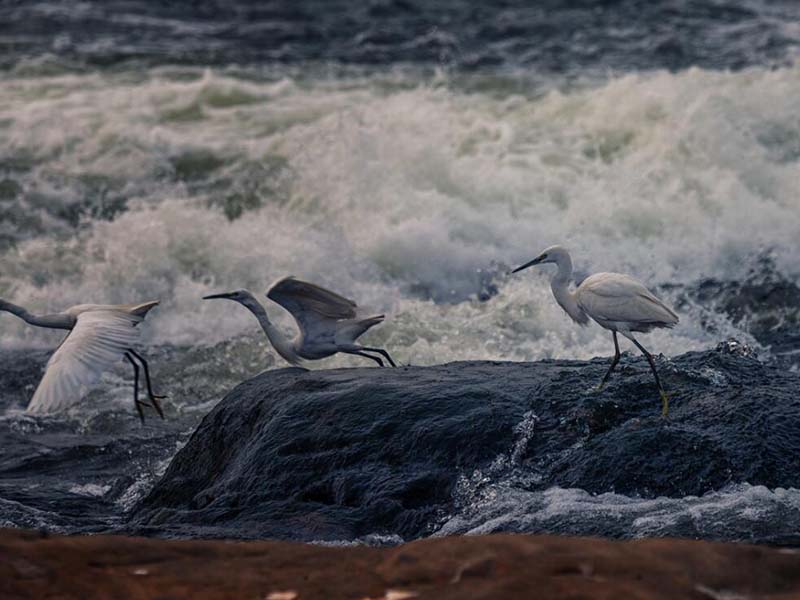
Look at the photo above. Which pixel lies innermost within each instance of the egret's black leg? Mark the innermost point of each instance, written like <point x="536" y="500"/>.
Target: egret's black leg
<point x="153" y="397"/>
<point x="359" y="353"/>
<point x="382" y="352"/>
<point x="136" y="402"/>
<point x="613" y="362"/>
<point x="664" y="397"/>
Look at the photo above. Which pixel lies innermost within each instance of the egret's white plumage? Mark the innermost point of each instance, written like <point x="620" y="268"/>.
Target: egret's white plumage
<point x="100" y="335"/>
<point x="615" y="301"/>
<point x="327" y="322"/>
<point x="621" y="303"/>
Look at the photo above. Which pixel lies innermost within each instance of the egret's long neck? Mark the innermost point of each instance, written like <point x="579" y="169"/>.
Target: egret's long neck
<point x="56" y="321"/>
<point x="560" y="286"/>
<point x="279" y="341"/>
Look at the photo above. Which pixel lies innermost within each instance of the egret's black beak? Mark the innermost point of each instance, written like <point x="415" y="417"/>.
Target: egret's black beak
<point x="212" y="296"/>
<point x="535" y="261"/>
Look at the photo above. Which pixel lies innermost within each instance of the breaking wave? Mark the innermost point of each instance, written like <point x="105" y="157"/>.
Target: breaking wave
<point x="412" y="195"/>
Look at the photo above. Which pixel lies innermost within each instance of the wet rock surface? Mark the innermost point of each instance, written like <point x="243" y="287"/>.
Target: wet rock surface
<point x="345" y="454"/>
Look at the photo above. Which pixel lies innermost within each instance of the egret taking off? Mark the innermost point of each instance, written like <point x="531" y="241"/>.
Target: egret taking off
<point x="615" y="301"/>
<point x="99" y="336"/>
<point x="327" y="321"/>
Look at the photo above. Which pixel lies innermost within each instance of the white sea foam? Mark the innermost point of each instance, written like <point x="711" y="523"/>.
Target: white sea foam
<point x="90" y="489"/>
<point x="738" y="511"/>
<point x="396" y="193"/>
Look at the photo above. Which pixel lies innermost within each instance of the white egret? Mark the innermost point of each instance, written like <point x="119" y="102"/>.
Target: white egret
<point x="615" y="301"/>
<point x="99" y="336"/>
<point x="327" y="322"/>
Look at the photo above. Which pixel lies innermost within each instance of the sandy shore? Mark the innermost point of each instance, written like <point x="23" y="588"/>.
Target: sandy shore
<point x="497" y="566"/>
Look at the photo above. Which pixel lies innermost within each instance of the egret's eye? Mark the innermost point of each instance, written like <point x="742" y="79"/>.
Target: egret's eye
<point x="544" y="255"/>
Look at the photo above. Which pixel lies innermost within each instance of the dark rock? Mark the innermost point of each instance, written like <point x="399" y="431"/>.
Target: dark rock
<point x="764" y="303"/>
<point x="345" y="453"/>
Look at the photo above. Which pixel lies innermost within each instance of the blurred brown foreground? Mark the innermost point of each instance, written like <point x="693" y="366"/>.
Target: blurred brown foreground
<point x="34" y="565"/>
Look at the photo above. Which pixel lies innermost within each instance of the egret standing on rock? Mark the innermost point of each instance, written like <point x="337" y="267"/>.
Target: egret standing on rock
<point x="327" y="321"/>
<point x="615" y="301"/>
<point x="99" y="336"/>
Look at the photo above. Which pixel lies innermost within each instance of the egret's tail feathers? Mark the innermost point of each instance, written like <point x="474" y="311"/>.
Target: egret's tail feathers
<point x="370" y="322"/>
<point x="672" y="317"/>
<point x="664" y="316"/>
<point x="648" y="326"/>
<point x="668" y="322"/>
<point x="140" y="310"/>
<point x="358" y="327"/>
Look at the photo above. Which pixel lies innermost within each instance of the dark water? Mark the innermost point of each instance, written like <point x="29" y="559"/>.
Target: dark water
<point x="406" y="154"/>
<point x="554" y="36"/>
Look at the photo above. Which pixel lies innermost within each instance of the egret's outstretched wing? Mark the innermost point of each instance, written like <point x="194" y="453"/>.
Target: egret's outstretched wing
<point x="618" y="297"/>
<point x="313" y="307"/>
<point x="301" y="296"/>
<point x="98" y="340"/>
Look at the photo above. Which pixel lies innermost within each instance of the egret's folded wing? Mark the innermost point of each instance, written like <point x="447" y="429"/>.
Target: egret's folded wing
<point x="617" y="297"/>
<point x="98" y="340"/>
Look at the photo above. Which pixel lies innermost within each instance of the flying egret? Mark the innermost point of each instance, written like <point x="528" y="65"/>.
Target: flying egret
<point x="615" y="301"/>
<point x="99" y="336"/>
<point x="327" y="321"/>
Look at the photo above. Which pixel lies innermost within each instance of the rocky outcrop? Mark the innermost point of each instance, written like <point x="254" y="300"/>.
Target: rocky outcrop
<point x="341" y="454"/>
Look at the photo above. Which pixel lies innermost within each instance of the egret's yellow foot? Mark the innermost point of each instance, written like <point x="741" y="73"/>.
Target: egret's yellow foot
<point x="664" y="404"/>
<point x="599" y="387"/>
